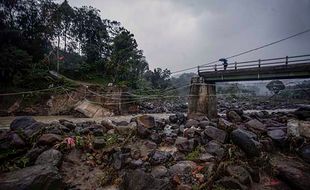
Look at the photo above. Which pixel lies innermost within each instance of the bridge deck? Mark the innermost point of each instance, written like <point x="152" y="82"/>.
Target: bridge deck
<point x="268" y="69"/>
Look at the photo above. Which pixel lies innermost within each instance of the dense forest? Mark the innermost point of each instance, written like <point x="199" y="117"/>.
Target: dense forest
<point x="37" y="36"/>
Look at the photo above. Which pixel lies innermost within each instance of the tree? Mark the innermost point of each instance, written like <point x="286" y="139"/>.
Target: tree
<point x="159" y="78"/>
<point x="127" y="62"/>
<point x="275" y="86"/>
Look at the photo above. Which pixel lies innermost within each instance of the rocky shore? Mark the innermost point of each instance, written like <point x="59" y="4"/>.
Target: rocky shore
<point x="236" y="151"/>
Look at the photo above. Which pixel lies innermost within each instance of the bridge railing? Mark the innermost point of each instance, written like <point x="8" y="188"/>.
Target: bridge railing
<point x="281" y="61"/>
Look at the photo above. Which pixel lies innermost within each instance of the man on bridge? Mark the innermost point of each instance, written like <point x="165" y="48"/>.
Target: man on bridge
<point x="225" y="64"/>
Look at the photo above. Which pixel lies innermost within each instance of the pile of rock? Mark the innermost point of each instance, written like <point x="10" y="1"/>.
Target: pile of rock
<point x="237" y="151"/>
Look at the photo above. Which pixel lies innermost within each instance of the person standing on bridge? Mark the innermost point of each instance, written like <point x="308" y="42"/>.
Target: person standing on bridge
<point x="225" y="64"/>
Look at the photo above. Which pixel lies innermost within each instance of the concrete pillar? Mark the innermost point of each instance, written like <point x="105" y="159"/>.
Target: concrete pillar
<point x="202" y="99"/>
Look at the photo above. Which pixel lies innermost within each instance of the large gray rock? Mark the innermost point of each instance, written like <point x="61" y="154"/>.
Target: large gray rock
<point x="233" y="116"/>
<point x="146" y="121"/>
<point x="178" y="118"/>
<point x="184" y="144"/>
<point x="305" y="153"/>
<point x="293" y="128"/>
<point x="293" y="172"/>
<point x="15" y="140"/>
<point x="191" y="123"/>
<point x="159" y="171"/>
<point x="214" y="148"/>
<point x="303" y="112"/>
<point x="224" y="124"/>
<point x="99" y="143"/>
<point x="31" y="178"/>
<point x="256" y="126"/>
<point x="27" y="126"/>
<point x="215" y="134"/>
<point x="304" y="128"/>
<point x="21" y="123"/>
<point x="159" y="157"/>
<point x="139" y="180"/>
<point x="246" y="141"/>
<point x="126" y="129"/>
<point x="182" y="167"/>
<point x="51" y="157"/>
<point x="49" y="139"/>
<point x="239" y="173"/>
<point x="296" y="128"/>
<point x="277" y="135"/>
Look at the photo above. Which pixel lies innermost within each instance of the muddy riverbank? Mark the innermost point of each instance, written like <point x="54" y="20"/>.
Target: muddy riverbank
<point x="238" y="150"/>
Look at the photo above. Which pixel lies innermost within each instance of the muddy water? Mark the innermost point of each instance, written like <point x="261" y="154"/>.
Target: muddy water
<point x="5" y="121"/>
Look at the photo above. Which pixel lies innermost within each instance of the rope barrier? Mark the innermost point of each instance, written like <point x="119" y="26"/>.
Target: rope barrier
<point x="29" y="92"/>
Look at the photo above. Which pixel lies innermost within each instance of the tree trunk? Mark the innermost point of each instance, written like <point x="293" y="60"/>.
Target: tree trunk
<point x="65" y="48"/>
<point x="58" y="43"/>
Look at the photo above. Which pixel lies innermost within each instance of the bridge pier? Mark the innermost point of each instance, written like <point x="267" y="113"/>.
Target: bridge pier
<point x="202" y="98"/>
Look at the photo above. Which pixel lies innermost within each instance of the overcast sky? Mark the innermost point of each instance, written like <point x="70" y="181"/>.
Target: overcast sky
<point x="177" y="34"/>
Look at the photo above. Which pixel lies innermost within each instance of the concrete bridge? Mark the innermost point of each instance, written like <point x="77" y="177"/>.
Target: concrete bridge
<point x="202" y="99"/>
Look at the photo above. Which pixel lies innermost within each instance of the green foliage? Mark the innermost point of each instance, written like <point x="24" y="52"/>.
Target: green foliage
<point x="194" y="155"/>
<point x="80" y="143"/>
<point x="15" y="63"/>
<point x="110" y="139"/>
<point x="22" y="162"/>
<point x="160" y="79"/>
<point x="92" y="47"/>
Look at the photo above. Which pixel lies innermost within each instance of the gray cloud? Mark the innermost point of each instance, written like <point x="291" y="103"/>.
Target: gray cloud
<point x="177" y="34"/>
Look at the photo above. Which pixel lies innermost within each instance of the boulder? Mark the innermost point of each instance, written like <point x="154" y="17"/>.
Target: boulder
<point x="256" y="126"/>
<point x="159" y="171"/>
<point x="126" y="129"/>
<point x="159" y="157"/>
<point x="33" y="177"/>
<point x="304" y="128"/>
<point x="294" y="173"/>
<point x="205" y="157"/>
<point x="305" y="153"/>
<point x="182" y="167"/>
<point x="15" y="140"/>
<point x="231" y="183"/>
<point x="224" y="124"/>
<point x="191" y="123"/>
<point x="297" y="128"/>
<point x="34" y="129"/>
<point x="33" y="154"/>
<point x="246" y="141"/>
<point x="303" y="112"/>
<point x="143" y="132"/>
<point x="119" y="159"/>
<point x="139" y="180"/>
<point x="21" y="123"/>
<point x="184" y="144"/>
<point x="233" y="116"/>
<point x="69" y="124"/>
<point x="146" y="121"/>
<point x="108" y="124"/>
<point x="184" y="187"/>
<point x="293" y="128"/>
<point x="215" y="134"/>
<point x="99" y="143"/>
<point x="277" y="135"/>
<point x="51" y="157"/>
<point x="49" y="139"/>
<point x="173" y="118"/>
<point x="239" y="173"/>
<point x="155" y="137"/>
<point x="214" y="148"/>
